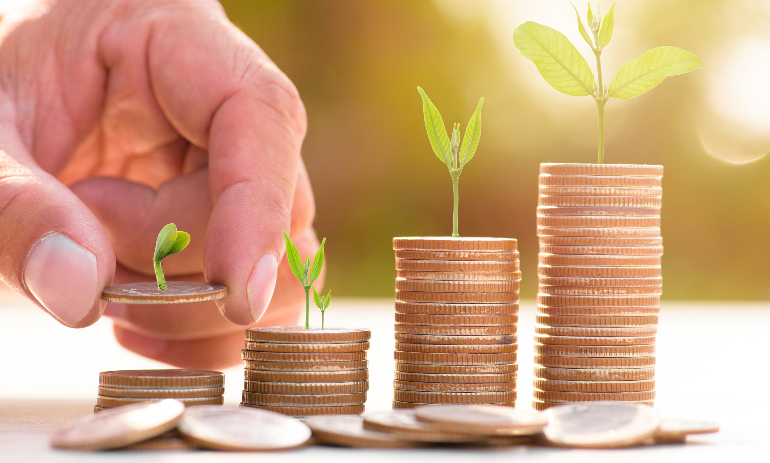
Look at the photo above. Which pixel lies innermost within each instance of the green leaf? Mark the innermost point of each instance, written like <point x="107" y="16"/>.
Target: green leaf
<point x="434" y="124"/>
<point x="166" y="240"/>
<point x="318" y="263"/>
<point x="328" y="299"/>
<point x="557" y="60"/>
<point x="295" y="261"/>
<point x="581" y="27"/>
<point x="648" y="70"/>
<point x="306" y="268"/>
<point x="608" y="24"/>
<point x="472" y="136"/>
<point x="589" y="16"/>
<point x="181" y="242"/>
<point x="318" y="302"/>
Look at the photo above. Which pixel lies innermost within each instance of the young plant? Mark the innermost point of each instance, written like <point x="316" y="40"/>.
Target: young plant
<point x="322" y="303"/>
<point x="452" y="153"/>
<point x="169" y="242"/>
<point x="305" y="273"/>
<point x="565" y="69"/>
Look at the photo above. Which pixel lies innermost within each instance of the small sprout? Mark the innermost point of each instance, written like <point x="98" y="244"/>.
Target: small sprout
<point x="305" y="273"/>
<point x="322" y="303"/>
<point x="452" y="153"/>
<point x="169" y="242"/>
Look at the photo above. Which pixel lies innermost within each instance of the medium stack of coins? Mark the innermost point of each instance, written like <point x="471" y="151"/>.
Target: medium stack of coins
<point x="304" y="372"/>
<point x="599" y="283"/>
<point x="193" y="387"/>
<point x="457" y="304"/>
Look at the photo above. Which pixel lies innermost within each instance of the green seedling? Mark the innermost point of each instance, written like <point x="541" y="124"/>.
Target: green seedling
<point x="452" y="153"/>
<point x="565" y="69"/>
<point x="170" y="241"/>
<point x="322" y="303"/>
<point x="305" y="273"/>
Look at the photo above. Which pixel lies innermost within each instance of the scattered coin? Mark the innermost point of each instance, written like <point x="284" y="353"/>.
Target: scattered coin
<point x="302" y="357"/>
<point x="160" y="444"/>
<point x="461" y="298"/>
<point x="463" y="320"/>
<point x="403" y="424"/>
<point x="457" y="286"/>
<point x="306" y="366"/>
<point x="161" y="393"/>
<point x="178" y="292"/>
<point x="594" y="386"/>
<point x="676" y="430"/>
<point x="457" y="266"/>
<point x="454" y="387"/>
<point x="457" y="348"/>
<point x="112" y="402"/>
<point x="307" y="348"/>
<point x="348" y="431"/>
<point x="120" y="427"/>
<point x="295" y="335"/>
<point x="290" y="400"/>
<point x="459" y="276"/>
<point x="171" y="379"/>
<point x="595" y="374"/>
<point x="455" y="243"/>
<point x="311" y="411"/>
<point x="454" y="359"/>
<point x="600" y="425"/>
<point x="244" y="429"/>
<point x="482" y="419"/>
<point x="428" y="308"/>
<point x="323" y="388"/>
<point x="456" y="255"/>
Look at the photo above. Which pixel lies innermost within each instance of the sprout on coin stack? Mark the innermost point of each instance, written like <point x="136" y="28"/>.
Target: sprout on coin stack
<point x="456" y="300"/>
<point x="599" y="228"/>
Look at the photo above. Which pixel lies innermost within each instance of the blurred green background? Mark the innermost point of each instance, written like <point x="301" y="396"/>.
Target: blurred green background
<point x="357" y="64"/>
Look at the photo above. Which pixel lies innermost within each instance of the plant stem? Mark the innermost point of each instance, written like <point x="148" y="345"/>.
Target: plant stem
<point x="599" y="96"/>
<point x="600" y="106"/>
<point x="307" y="307"/>
<point x="159" y="276"/>
<point x="322" y="319"/>
<point x="455" y="187"/>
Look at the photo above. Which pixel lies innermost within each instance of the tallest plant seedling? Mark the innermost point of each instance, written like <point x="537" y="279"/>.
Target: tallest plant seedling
<point x="306" y="273"/>
<point x="565" y="69"/>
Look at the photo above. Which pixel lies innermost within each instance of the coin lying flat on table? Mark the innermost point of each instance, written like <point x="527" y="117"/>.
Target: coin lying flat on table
<point x="482" y="419"/>
<point x="307" y="348"/>
<point x="311" y="411"/>
<point x="159" y="444"/>
<point x="120" y="427"/>
<point x="455" y="243"/>
<point x="295" y="335"/>
<point x="675" y="430"/>
<point x="600" y="425"/>
<point x="170" y="379"/>
<point x="161" y="393"/>
<point x="245" y="429"/>
<point x="178" y="292"/>
<point x="403" y="424"/>
<point x="348" y="431"/>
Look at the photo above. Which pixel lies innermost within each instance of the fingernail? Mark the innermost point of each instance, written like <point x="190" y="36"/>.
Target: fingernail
<point x="261" y="285"/>
<point x="62" y="277"/>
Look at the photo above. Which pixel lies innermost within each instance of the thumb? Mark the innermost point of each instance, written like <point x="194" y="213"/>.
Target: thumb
<point x="52" y="248"/>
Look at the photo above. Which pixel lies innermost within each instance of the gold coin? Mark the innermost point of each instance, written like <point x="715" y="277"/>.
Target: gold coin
<point x="602" y="311"/>
<point x="603" y="250"/>
<point x="306" y="366"/>
<point x="455" y="243"/>
<point x="447" y="330"/>
<point x="311" y="411"/>
<point x="459" y="298"/>
<point x="674" y="429"/>
<point x="425" y="369"/>
<point x="482" y="419"/>
<point x="594" y="386"/>
<point x="348" y="431"/>
<point x="457" y="255"/>
<point x="302" y="357"/>
<point x="454" y="359"/>
<point x="462" y="266"/>
<point x="651" y="282"/>
<point x="457" y="348"/>
<point x="459" y="276"/>
<point x="403" y="424"/>
<point x="595" y="341"/>
<point x="598" y="261"/>
<point x="582" y="331"/>
<point x="306" y="377"/>
<point x="299" y="335"/>
<point x="619" y="232"/>
<point x="454" y="397"/>
<point x="307" y="348"/>
<point x="450" y="387"/>
<point x="155" y="379"/>
<point x="636" y="170"/>
<point x="244" y="429"/>
<point x="112" y="402"/>
<point x="111" y="429"/>
<point x="600" y="241"/>
<point x="598" y="180"/>
<point x="313" y="400"/>
<point x="566" y="190"/>
<point x="594" y="362"/>
<point x="599" y="291"/>
<point x="598" y="272"/>
<point x="594" y="351"/>
<point x="277" y="387"/>
<point x="178" y="292"/>
<point x="456" y="339"/>
<point x="595" y="374"/>
<point x="587" y="425"/>
<point x="435" y="286"/>
<point x="600" y="201"/>
<point x="161" y="393"/>
<point x="555" y="320"/>
<point x="598" y="301"/>
<point x="597" y="211"/>
<point x="461" y="320"/>
<point x="456" y="379"/>
<point x="556" y="396"/>
<point x="577" y="221"/>
<point x="429" y="308"/>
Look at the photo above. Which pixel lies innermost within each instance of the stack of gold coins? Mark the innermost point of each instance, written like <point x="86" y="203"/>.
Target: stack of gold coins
<point x="304" y="372"/>
<point x="193" y="387"/>
<point x="599" y="283"/>
<point x="457" y="304"/>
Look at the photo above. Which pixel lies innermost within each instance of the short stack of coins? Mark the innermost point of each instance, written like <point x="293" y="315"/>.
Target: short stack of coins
<point x="600" y="283"/>
<point x="193" y="387"/>
<point x="457" y="304"/>
<point x="305" y="372"/>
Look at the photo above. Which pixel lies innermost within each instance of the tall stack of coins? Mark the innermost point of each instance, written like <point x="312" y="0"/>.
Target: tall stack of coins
<point x="599" y="283"/>
<point x="457" y="304"/>
<point x="193" y="387"/>
<point x="304" y="372"/>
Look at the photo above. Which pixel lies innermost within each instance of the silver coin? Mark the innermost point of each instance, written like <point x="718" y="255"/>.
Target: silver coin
<point x="600" y="424"/>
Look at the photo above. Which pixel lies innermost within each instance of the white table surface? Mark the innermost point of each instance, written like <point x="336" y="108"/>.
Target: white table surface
<point x="712" y="364"/>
